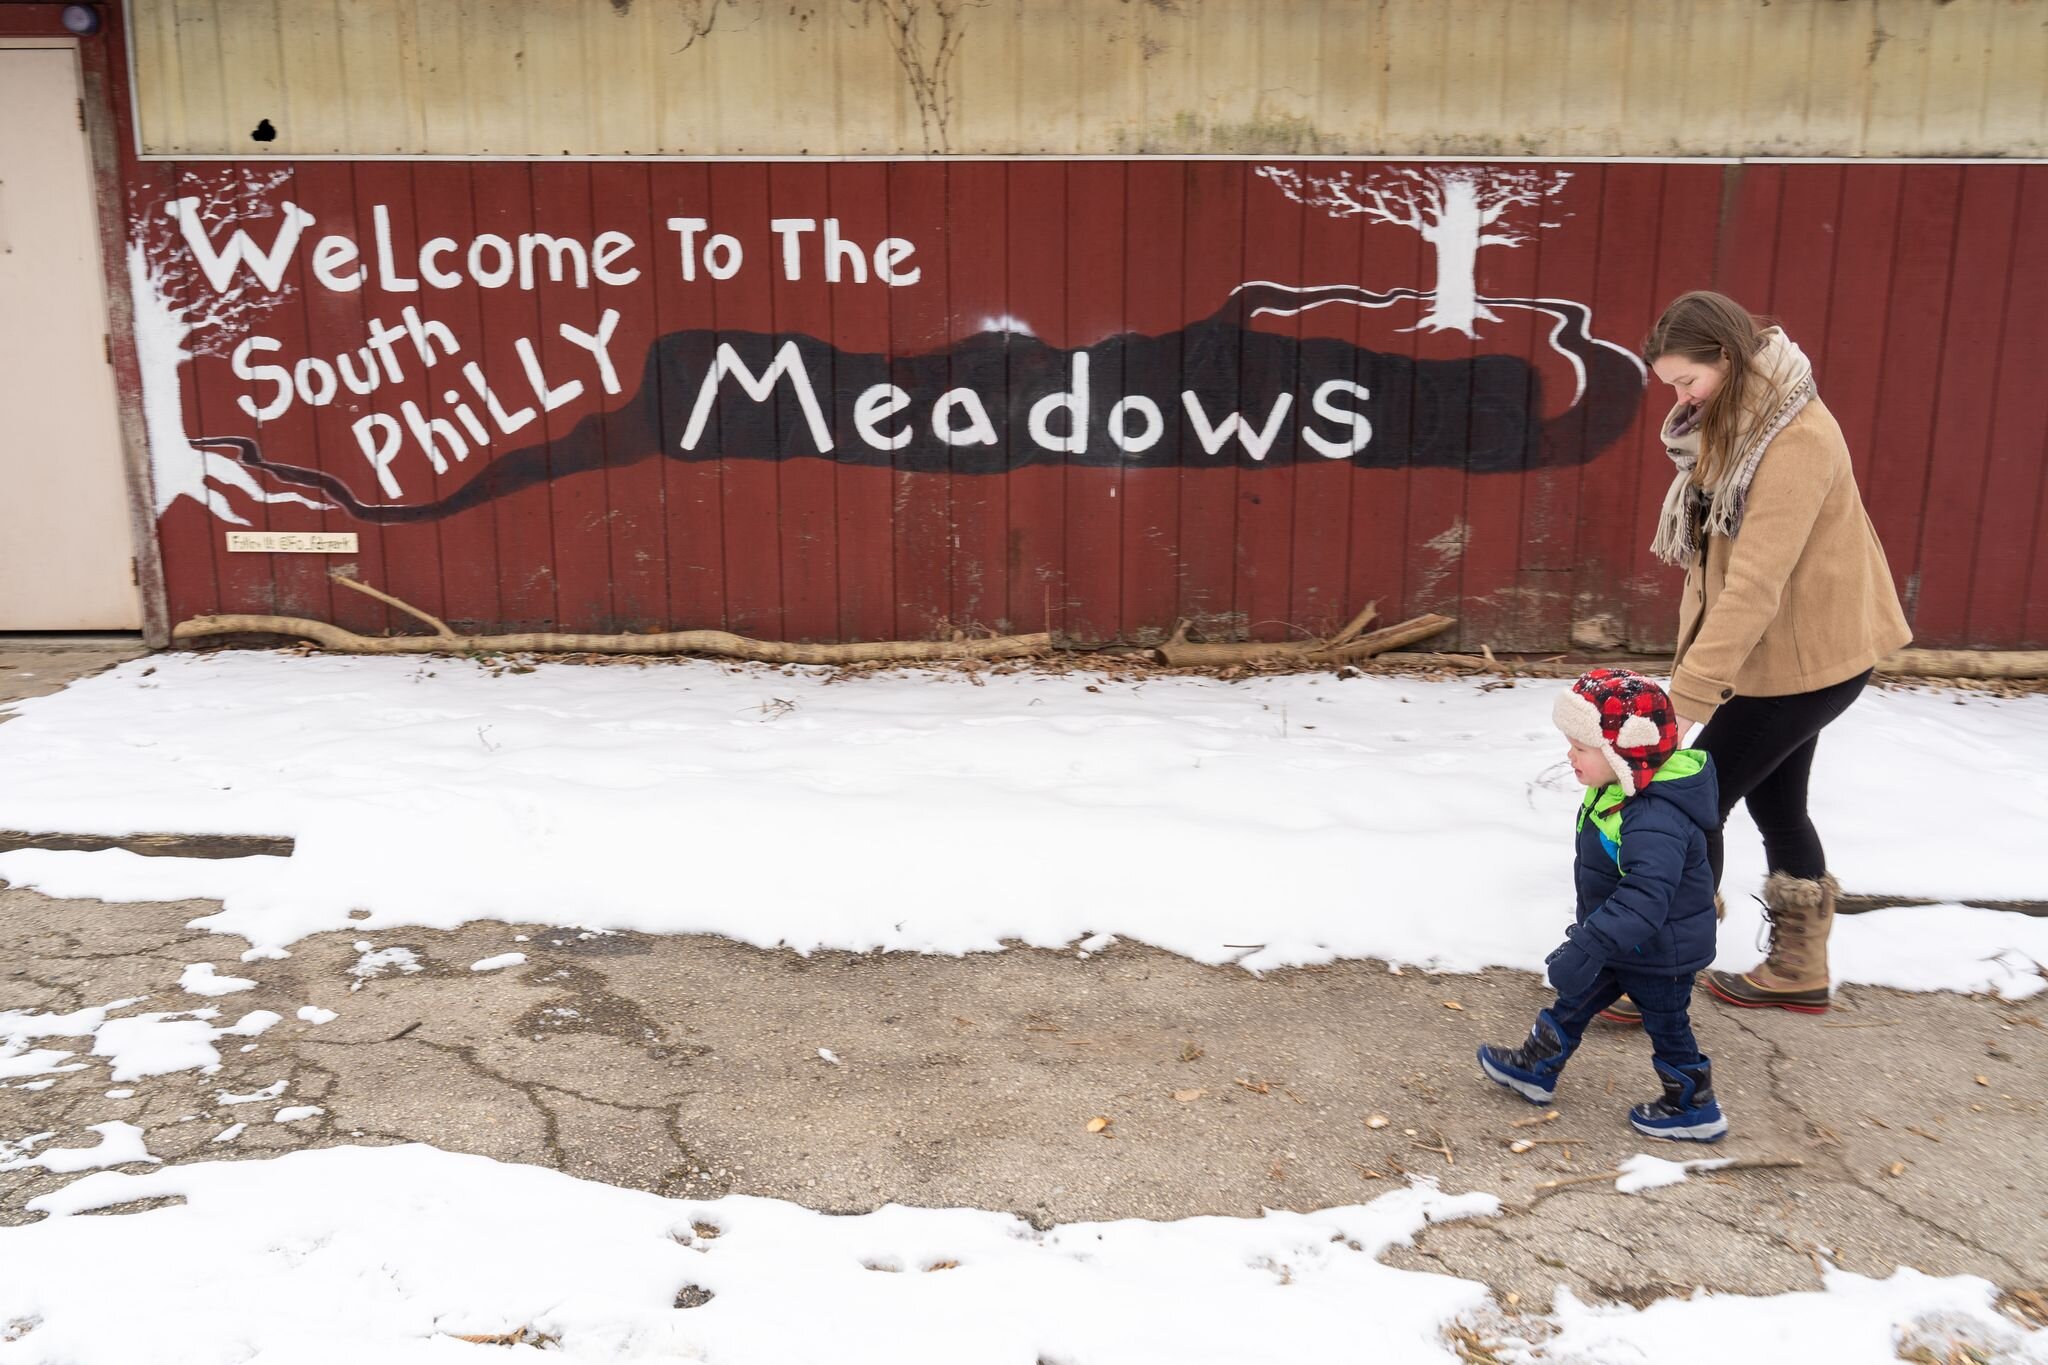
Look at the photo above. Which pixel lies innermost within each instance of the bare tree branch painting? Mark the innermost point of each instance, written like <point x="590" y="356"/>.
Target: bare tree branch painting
<point x="1456" y="209"/>
<point x="179" y="315"/>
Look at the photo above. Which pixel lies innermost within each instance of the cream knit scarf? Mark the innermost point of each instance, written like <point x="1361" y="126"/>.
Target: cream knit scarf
<point x="1781" y="384"/>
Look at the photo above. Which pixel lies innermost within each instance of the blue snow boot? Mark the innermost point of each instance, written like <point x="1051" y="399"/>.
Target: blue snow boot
<point x="1688" y="1112"/>
<point x="1530" y="1070"/>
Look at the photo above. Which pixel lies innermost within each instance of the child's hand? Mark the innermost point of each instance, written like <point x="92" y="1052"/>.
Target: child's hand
<point x="1571" y="969"/>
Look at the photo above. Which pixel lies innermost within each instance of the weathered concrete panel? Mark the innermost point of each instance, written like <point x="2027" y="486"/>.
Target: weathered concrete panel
<point x="1541" y="78"/>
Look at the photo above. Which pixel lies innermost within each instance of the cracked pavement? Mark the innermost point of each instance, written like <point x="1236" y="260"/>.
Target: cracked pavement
<point x="692" y="1066"/>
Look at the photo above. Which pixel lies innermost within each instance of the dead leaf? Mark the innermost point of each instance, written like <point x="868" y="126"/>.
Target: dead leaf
<point x="1366" y="1172"/>
<point x="1099" y="1123"/>
<point x="1897" y="1168"/>
<point x="1189" y="1052"/>
<point x="1452" y="1005"/>
<point x="943" y="1265"/>
<point x="1186" y="1096"/>
<point x="1256" y="1087"/>
<point x="1549" y="1117"/>
<point x="517" y="1337"/>
<point x="1376" y="1121"/>
<point x="2026" y="1304"/>
<point x="1983" y="1080"/>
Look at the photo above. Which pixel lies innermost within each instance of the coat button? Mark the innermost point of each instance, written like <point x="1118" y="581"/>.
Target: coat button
<point x="1726" y="693"/>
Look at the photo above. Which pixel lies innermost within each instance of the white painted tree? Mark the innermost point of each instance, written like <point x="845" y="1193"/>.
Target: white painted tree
<point x="180" y="313"/>
<point x="1457" y="209"/>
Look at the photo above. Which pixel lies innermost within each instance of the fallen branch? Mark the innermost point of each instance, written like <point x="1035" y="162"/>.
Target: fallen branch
<point x="718" y="643"/>
<point x="1346" y="646"/>
<point x="1717" y="1166"/>
<point x="1906" y="663"/>
<point x="1967" y="663"/>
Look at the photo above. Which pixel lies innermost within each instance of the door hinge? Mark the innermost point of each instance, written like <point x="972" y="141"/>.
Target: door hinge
<point x="134" y="572"/>
<point x="107" y="347"/>
<point x="81" y="116"/>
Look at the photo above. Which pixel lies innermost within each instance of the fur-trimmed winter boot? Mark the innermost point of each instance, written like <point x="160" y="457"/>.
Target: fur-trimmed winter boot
<point x="1794" y="975"/>
<point x="1624" y="1011"/>
<point x="1530" y="1070"/>
<point x="1688" y="1111"/>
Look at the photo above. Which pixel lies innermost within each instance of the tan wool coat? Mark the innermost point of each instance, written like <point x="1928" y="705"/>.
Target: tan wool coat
<point x="1800" y="598"/>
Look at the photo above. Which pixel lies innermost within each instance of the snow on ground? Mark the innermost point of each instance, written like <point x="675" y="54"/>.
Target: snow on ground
<point x="120" y="1143"/>
<point x="1645" y="1172"/>
<point x="348" y="1254"/>
<point x="153" y="1044"/>
<point x="199" y="979"/>
<point x="1416" y="822"/>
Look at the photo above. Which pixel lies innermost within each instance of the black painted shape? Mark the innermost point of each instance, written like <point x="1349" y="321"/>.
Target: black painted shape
<point x="1480" y="415"/>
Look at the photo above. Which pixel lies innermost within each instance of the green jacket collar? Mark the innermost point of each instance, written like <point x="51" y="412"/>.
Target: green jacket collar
<point x="1602" y="805"/>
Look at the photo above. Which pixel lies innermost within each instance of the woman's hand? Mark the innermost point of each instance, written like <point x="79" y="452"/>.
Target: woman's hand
<point x="1686" y="725"/>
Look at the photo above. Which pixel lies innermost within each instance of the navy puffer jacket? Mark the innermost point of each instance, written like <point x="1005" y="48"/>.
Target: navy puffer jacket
<point x="1646" y="891"/>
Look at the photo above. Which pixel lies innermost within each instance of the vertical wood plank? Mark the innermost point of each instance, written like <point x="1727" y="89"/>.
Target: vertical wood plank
<point x="1263" y="590"/>
<point x="1913" y="361"/>
<point x="466" y="543"/>
<point x="742" y="304"/>
<point x="580" y="504"/>
<point x="692" y="489"/>
<point x="865" y="493"/>
<point x="1095" y="295"/>
<point x="1037" y="266"/>
<point x="918" y="326"/>
<point x="1154" y="250"/>
<point x="808" y="532"/>
<point x="1567" y="267"/>
<point x="1952" y="514"/>
<point x="976" y="246"/>
<point x="1208" y="506"/>
<point x="503" y="196"/>
<point x="1377" y="566"/>
<point x="1498" y="606"/>
<point x="1859" y="313"/>
<point x="1684" y="248"/>
<point x="2009" y="597"/>
<point x="621" y="197"/>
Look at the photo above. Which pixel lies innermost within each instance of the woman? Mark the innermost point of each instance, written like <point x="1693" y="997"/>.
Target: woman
<point x="1788" y="605"/>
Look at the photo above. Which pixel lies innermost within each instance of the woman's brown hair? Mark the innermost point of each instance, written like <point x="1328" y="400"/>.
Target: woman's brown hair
<point x="1706" y="327"/>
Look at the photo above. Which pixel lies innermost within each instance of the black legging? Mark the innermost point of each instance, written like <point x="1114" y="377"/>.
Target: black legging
<point x="1763" y="753"/>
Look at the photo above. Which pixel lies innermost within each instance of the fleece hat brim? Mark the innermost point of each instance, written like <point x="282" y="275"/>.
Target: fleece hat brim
<point x="1624" y="715"/>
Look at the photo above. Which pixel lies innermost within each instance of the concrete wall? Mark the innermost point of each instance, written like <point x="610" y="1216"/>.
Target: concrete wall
<point x="751" y="78"/>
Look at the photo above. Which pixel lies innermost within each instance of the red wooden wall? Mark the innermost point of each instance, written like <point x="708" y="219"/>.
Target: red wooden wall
<point x="1919" y="290"/>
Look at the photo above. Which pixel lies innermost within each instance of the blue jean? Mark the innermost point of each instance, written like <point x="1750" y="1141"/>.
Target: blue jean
<point x="1664" y="999"/>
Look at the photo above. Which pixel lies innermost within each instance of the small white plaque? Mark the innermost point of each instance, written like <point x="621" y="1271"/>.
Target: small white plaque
<point x="294" y="542"/>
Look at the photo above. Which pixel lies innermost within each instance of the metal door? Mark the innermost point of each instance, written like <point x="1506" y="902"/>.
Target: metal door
<point x="65" y="544"/>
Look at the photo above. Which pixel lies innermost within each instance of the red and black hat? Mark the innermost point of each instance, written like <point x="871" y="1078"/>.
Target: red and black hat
<point x="1626" y="716"/>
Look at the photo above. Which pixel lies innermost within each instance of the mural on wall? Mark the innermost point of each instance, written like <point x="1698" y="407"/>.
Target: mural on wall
<point x="212" y="257"/>
<point x="1457" y="209"/>
<point x="182" y="312"/>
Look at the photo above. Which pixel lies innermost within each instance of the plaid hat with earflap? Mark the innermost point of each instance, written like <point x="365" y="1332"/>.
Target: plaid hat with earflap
<point x="1626" y="716"/>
